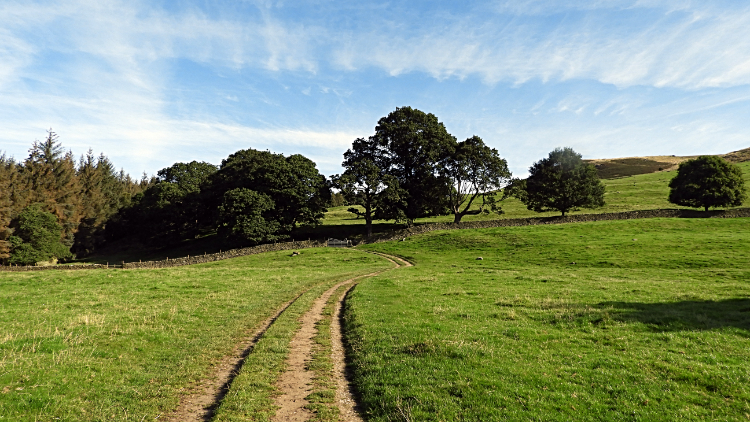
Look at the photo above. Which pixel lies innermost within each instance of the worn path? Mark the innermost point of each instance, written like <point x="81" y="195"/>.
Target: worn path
<point x="200" y="403"/>
<point x="296" y="383"/>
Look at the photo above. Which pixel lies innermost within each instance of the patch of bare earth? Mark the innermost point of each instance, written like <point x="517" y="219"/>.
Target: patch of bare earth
<point x="201" y="401"/>
<point x="296" y="383"/>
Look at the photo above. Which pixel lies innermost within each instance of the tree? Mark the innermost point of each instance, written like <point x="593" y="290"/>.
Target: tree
<point x="474" y="170"/>
<point x="50" y="178"/>
<point x="362" y="180"/>
<point x="298" y="191"/>
<point x="8" y="174"/>
<point x="562" y="182"/>
<point x="241" y="216"/>
<point x="411" y="144"/>
<point x="36" y="237"/>
<point x="707" y="181"/>
<point x="171" y="207"/>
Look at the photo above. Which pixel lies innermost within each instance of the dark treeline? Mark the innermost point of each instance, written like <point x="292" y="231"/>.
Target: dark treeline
<point x="54" y="207"/>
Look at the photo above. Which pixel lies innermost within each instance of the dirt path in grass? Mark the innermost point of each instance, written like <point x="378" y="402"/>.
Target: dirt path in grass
<point x="296" y="382"/>
<point x="200" y="402"/>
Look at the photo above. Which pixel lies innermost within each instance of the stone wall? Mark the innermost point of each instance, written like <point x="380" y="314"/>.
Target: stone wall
<point x="400" y="234"/>
<point x="578" y="218"/>
<point x="232" y="253"/>
<point x="176" y="262"/>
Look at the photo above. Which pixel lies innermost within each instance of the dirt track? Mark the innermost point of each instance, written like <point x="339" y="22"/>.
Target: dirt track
<point x="200" y="403"/>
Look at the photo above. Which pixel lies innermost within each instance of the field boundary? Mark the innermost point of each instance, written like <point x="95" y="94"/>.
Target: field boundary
<point x="400" y="234"/>
<point x="177" y="262"/>
<point x="534" y="221"/>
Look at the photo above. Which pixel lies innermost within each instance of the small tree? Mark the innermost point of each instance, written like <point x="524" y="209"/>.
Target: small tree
<point x="562" y="182"/>
<point x="474" y="170"/>
<point x="36" y="237"/>
<point x="707" y="181"/>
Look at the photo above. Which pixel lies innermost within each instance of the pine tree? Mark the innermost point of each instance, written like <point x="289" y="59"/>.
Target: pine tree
<point x="8" y="174"/>
<point x="51" y="179"/>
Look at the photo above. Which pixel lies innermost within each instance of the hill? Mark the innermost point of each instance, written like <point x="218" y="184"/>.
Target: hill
<point x="612" y="168"/>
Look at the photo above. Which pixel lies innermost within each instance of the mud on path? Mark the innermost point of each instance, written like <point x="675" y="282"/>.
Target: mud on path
<point x="296" y="382"/>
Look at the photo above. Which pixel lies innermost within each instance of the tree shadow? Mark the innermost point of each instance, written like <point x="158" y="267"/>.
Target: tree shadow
<point x="684" y="315"/>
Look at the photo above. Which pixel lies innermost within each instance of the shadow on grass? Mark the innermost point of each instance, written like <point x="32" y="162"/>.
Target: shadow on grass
<point x="685" y="315"/>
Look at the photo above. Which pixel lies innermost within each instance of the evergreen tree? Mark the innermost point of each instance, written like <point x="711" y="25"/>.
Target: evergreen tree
<point x="51" y="179"/>
<point x="8" y="174"/>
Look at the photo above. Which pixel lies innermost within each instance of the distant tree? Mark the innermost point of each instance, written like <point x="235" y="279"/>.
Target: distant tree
<point x="474" y="171"/>
<point x="293" y="184"/>
<point x="561" y="182"/>
<point x="707" y="181"/>
<point x="104" y="192"/>
<point x="363" y="180"/>
<point x="36" y="237"/>
<point x="411" y="144"/>
<point x="241" y="216"/>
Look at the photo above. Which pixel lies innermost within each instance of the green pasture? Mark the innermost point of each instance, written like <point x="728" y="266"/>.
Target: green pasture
<point x="618" y="320"/>
<point x="124" y="344"/>
<point x="640" y="192"/>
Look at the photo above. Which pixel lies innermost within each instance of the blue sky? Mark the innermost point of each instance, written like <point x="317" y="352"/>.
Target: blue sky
<point x="151" y="83"/>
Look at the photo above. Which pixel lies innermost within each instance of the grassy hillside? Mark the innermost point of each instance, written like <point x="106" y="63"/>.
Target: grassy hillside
<point x="640" y="192"/>
<point x="621" y="320"/>
<point x="123" y="344"/>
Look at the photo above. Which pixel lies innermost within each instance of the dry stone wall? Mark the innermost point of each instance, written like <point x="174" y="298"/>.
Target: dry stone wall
<point x="400" y="234"/>
<point x="176" y="262"/>
<point x="578" y="218"/>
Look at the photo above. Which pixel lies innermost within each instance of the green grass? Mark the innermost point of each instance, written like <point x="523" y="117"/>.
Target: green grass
<point x="124" y="344"/>
<point x="652" y="322"/>
<point x="640" y="192"/>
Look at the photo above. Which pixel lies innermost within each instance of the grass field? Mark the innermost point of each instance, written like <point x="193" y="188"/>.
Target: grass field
<point x="619" y="320"/>
<point x="640" y="192"/>
<point x="124" y="344"/>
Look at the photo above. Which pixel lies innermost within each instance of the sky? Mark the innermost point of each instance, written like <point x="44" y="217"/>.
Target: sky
<point x="151" y="83"/>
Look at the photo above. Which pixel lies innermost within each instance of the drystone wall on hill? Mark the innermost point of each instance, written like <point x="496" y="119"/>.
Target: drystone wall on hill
<point x="579" y="218"/>
<point x="176" y="262"/>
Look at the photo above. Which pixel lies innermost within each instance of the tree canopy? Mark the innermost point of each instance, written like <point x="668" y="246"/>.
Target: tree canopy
<point x="363" y="180"/>
<point x="411" y="144"/>
<point x="473" y="171"/>
<point x="561" y="182"/>
<point x="298" y="192"/>
<point x="707" y="181"/>
<point x="36" y="237"/>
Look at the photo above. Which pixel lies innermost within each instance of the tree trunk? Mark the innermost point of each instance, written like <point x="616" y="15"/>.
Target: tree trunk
<point x="457" y="217"/>
<point x="705" y="208"/>
<point x="368" y="224"/>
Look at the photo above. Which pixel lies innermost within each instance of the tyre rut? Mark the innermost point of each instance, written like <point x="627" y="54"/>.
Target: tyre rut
<point x="200" y="404"/>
